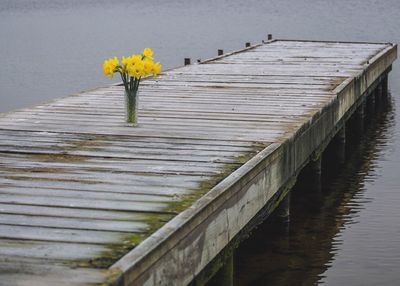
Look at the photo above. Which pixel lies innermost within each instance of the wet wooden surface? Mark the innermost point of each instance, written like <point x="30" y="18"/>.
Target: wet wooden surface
<point x="79" y="189"/>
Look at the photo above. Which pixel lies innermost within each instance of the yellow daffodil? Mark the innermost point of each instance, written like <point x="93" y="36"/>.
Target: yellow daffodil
<point x="136" y="58"/>
<point x="157" y="67"/>
<point x="126" y="61"/>
<point x="148" y="53"/>
<point x="148" y="65"/>
<point x="136" y="70"/>
<point x="110" y="66"/>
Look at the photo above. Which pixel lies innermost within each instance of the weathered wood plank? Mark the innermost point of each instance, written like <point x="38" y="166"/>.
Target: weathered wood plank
<point x="46" y="251"/>
<point x="62" y="235"/>
<point x="74" y="213"/>
<point x="134" y="206"/>
<point x="160" y="187"/>
<point x="73" y="223"/>
<point x="24" y="272"/>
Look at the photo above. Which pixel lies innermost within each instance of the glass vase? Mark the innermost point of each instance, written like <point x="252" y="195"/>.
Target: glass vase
<point x="131" y="107"/>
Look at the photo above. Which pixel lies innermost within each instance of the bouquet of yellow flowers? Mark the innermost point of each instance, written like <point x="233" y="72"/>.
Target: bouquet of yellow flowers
<point x="132" y="69"/>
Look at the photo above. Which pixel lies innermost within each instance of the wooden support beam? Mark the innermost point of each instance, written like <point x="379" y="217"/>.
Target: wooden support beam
<point x="340" y="145"/>
<point x="359" y="117"/>
<point x="371" y="102"/>
<point x="315" y="175"/>
<point x="224" y="276"/>
<point x="385" y="86"/>
<point x="283" y="210"/>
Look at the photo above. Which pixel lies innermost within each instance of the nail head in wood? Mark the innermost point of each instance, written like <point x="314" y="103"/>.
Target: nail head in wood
<point x="187" y="61"/>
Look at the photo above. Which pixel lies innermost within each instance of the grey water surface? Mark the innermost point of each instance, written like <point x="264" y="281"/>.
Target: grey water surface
<point x="348" y="235"/>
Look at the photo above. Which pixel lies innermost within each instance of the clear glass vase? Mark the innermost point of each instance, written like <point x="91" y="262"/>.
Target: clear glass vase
<point x="131" y="107"/>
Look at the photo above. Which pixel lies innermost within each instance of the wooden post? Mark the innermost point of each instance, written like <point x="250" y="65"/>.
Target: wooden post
<point x="224" y="276"/>
<point x="340" y="142"/>
<point x="379" y="91"/>
<point x="187" y="61"/>
<point x="316" y="174"/>
<point x="220" y="52"/>
<point x="385" y="86"/>
<point x="360" y="117"/>
<point x="283" y="210"/>
<point x="248" y="45"/>
<point x="269" y="37"/>
<point x="371" y="102"/>
<point x="378" y="97"/>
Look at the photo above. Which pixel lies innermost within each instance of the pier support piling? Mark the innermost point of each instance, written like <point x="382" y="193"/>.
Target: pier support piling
<point x="359" y="117"/>
<point x="340" y="145"/>
<point x="283" y="210"/>
<point x="371" y="102"/>
<point x="224" y="276"/>
<point x="314" y="176"/>
<point x="385" y="86"/>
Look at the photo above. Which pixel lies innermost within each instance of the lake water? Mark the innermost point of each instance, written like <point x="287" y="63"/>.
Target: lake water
<point x="348" y="235"/>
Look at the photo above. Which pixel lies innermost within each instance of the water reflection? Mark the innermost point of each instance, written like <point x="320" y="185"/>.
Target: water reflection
<point x="299" y="253"/>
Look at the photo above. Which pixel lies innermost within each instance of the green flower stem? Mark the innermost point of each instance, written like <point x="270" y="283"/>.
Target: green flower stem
<point x="131" y="107"/>
<point x="131" y="85"/>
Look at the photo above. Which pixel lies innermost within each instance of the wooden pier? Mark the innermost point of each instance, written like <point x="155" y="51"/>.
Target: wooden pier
<point x="86" y="200"/>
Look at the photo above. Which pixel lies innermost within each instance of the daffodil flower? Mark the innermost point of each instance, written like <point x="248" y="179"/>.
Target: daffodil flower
<point x="148" y="53"/>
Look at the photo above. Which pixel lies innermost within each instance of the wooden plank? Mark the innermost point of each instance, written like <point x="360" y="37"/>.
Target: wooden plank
<point x="86" y="139"/>
<point x="62" y="235"/>
<point x="74" y="212"/>
<point x="73" y="223"/>
<point x="47" y="251"/>
<point x="115" y="165"/>
<point x="23" y="272"/>
<point x="135" y="206"/>
<point x="158" y="188"/>
<point x="78" y="194"/>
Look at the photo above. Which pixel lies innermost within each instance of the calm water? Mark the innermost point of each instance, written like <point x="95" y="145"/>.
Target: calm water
<point x="348" y="235"/>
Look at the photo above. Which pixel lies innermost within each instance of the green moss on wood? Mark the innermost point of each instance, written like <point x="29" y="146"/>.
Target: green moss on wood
<point x="155" y="221"/>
